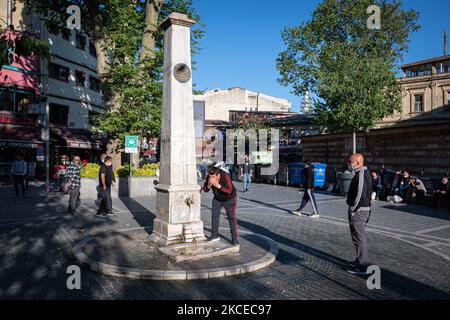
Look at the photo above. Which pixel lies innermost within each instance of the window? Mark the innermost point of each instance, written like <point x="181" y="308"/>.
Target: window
<point x="439" y="67"/>
<point x="80" y="78"/>
<point x="80" y="41"/>
<point x="92" y="50"/>
<point x="424" y="70"/>
<point x="93" y="115"/>
<point x="58" y="72"/>
<point x="94" y="83"/>
<point x="59" y="114"/>
<point x="418" y="103"/>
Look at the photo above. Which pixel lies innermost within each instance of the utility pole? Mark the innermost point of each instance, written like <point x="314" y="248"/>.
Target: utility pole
<point x="9" y="14"/>
<point x="445" y="42"/>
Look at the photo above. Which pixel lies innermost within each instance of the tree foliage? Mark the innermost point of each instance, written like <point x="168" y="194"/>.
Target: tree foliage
<point x="131" y="81"/>
<point x="350" y="68"/>
<point x="24" y="45"/>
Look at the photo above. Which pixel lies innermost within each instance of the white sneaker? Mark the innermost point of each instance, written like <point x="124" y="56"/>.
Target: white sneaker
<point x="210" y="240"/>
<point x="296" y="212"/>
<point x="314" y="215"/>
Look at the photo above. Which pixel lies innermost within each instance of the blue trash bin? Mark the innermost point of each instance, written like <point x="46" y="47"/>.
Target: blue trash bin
<point x="296" y="173"/>
<point x="319" y="174"/>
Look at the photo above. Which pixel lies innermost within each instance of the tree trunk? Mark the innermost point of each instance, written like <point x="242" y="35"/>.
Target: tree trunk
<point x="152" y="11"/>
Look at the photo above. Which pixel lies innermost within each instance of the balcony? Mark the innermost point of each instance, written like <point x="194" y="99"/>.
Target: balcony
<point x="19" y="119"/>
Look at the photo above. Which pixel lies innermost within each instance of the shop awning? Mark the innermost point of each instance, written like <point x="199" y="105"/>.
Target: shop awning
<point x="20" y="136"/>
<point x="75" y="138"/>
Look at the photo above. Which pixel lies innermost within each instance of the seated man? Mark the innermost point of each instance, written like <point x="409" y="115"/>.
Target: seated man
<point x="376" y="184"/>
<point x="417" y="189"/>
<point x="405" y="184"/>
<point x="442" y="192"/>
<point x="396" y="183"/>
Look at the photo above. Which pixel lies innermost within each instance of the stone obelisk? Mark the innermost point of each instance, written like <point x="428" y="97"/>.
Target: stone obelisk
<point x="178" y="193"/>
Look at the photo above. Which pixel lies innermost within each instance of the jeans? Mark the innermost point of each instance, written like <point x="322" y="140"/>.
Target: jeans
<point x="74" y="200"/>
<point x="106" y="201"/>
<point x="18" y="179"/>
<point x="247" y="181"/>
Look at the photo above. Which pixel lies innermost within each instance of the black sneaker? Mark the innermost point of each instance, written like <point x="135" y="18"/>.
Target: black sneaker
<point x="235" y="243"/>
<point x="359" y="271"/>
<point x="100" y="214"/>
<point x="212" y="239"/>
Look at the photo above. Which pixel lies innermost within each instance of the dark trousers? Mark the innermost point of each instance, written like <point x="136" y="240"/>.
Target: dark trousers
<point x="358" y="222"/>
<point x="437" y="196"/>
<point x="411" y="190"/>
<point x="18" y="179"/>
<point x="74" y="200"/>
<point x="309" y="195"/>
<point x="106" y="200"/>
<point x="230" y="209"/>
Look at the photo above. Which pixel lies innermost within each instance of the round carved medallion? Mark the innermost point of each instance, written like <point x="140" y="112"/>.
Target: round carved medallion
<point x="182" y="73"/>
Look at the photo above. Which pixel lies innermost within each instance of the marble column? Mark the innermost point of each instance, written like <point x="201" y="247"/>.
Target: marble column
<point x="178" y="193"/>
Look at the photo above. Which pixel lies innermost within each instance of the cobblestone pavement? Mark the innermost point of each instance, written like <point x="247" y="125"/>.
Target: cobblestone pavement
<point x="411" y="244"/>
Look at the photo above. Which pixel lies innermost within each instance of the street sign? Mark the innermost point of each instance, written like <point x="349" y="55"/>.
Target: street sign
<point x="131" y="144"/>
<point x="40" y="155"/>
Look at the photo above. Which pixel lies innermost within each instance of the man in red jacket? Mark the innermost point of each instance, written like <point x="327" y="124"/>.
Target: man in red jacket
<point x="224" y="196"/>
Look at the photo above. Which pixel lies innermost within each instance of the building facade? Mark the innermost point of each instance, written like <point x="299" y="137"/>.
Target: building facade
<point x="68" y="83"/>
<point x="425" y="92"/>
<point x="219" y="102"/>
<point x="417" y="138"/>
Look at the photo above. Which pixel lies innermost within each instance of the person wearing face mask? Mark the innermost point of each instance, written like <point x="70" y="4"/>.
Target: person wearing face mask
<point x="74" y="180"/>
<point x="106" y="180"/>
<point x="359" y="209"/>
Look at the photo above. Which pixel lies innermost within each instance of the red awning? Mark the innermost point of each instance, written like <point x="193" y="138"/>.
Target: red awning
<point x="75" y="138"/>
<point x="20" y="136"/>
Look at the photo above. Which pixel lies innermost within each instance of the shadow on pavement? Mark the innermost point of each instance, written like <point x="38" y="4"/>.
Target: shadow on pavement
<point x="408" y="288"/>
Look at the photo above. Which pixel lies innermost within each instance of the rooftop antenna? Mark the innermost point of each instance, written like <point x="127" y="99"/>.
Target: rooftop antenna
<point x="445" y="42"/>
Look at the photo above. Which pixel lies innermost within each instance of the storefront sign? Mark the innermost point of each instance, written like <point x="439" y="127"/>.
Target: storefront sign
<point x="17" y="144"/>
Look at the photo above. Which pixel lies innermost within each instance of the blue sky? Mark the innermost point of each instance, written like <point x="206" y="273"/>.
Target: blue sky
<point x="243" y="40"/>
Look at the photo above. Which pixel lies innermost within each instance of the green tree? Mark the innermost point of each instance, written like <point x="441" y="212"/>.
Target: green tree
<point x="24" y="45"/>
<point x="350" y="68"/>
<point x="129" y="45"/>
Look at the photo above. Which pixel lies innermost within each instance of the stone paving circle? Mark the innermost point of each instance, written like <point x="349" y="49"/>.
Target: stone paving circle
<point x="129" y="253"/>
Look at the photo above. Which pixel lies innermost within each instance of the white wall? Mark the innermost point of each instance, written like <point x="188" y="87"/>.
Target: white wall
<point x="86" y="98"/>
<point x="218" y="103"/>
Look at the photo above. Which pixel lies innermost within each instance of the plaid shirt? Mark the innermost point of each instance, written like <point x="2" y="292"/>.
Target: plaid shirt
<point x="73" y="174"/>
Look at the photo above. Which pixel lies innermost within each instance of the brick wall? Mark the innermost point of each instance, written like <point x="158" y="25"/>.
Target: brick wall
<point x="424" y="147"/>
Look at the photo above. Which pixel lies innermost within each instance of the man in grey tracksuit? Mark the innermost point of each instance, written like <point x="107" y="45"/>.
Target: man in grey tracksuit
<point x="359" y="209"/>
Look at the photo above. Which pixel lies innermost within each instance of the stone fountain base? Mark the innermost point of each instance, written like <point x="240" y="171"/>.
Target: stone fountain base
<point x="130" y="253"/>
<point x="198" y="251"/>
